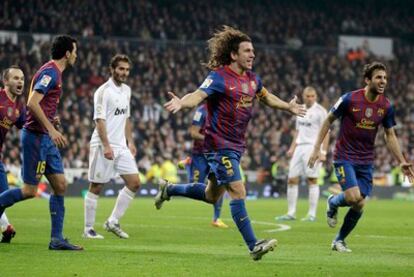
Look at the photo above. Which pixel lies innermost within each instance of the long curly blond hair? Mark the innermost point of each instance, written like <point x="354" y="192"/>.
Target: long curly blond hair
<point x="221" y="45"/>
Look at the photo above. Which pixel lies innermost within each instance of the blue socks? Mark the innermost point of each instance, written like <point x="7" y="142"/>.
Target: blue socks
<point x="217" y="208"/>
<point x="57" y="215"/>
<point x="338" y="201"/>
<point x="195" y="191"/>
<point x="350" y="221"/>
<point x="240" y="217"/>
<point x="9" y="197"/>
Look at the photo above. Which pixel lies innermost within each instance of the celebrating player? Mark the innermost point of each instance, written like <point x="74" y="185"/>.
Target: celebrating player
<point x="307" y="129"/>
<point x="12" y="112"/>
<point x="230" y="89"/>
<point x="361" y="112"/>
<point x="40" y="140"/>
<point x="109" y="153"/>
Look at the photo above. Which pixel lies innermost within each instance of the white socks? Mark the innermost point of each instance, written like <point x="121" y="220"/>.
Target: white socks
<point x="292" y="197"/>
<point x="4" y="222"/>
<point x="91" y="202"/>
<point x="125" y="196"/>
<point x="313" y="199"/>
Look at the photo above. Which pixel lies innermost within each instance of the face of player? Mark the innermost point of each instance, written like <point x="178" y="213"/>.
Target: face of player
<point x="309" y="97"/>
<point x="121" y="72"/>
<point x="245" y="56"/>
<point x="378" y="82"/>
<point x="15" y="82"/>
<point x="72" y="55"/>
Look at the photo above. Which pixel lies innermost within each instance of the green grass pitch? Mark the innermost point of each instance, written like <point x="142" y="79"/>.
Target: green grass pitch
<point x="178" y="241"/>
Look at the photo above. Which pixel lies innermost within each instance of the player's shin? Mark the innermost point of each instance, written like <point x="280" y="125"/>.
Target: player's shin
<point x="195" y="191"/>
<point x="57" y="216"/>
<point x="9" y="197"/>
<point x="241" y="218"/>
<point x="350" y="221"/>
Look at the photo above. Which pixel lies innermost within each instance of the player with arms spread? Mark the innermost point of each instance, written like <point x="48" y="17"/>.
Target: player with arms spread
<point x="12" y="112"/>
<point x="361" y="112"/>
<point x="40" y="140"/>
<point x="230" y="89"/>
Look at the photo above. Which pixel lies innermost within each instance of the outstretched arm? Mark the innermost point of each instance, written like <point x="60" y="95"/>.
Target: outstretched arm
<point x="275" y="102"/>
<point x="189" y="100"/>
<point x="394" y="146"/>
<point x="321" y="137"/>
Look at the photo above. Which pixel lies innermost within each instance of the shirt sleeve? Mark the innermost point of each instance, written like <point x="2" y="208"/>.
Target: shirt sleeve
<point x="100" y="104"/>
<point x="21" y="120"/>
<point x="389" y="119"/>
<point x="341" y="105"/>
<point x="199" y="117"/>
<point x="46" y="81"/>
<point x="214" y="83"/>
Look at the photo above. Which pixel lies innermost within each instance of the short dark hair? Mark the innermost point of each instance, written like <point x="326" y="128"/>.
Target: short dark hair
<point x="5" y="74"/>
<point x="371" y="67"/>
<point x="119" y="58"/>
<point x="60" y="45"/>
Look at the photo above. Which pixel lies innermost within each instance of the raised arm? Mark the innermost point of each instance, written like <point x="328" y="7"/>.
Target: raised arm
<point x="189" y="100"/>
<point x="275" y="102"/>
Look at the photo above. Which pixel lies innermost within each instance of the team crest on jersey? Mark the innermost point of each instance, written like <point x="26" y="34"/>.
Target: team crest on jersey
<point x="368" y="112"/>
<point x="45" y="80"/>
<point x="253" y="85"/>
<point x="380" y="112"/>
<point x="9" y="111"/>
<point x="245" y="88"/>
<point x="207" y="82"/>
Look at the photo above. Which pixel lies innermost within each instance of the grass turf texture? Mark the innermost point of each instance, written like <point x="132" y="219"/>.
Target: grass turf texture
<point x="178" y="241"/>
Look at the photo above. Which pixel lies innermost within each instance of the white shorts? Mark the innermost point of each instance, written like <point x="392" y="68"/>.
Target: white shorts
<point x="101" y="170"/>
<point x="298" y="165"/>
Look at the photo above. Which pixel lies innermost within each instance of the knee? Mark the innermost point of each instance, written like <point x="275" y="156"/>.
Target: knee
<point x="60" y="187"/>
<point x="134" y="185"/>
<point x="95" y="188"/>
<point x="29" y="191"/>
<point x="353" y="200"/>
<point x="293" y="181"/>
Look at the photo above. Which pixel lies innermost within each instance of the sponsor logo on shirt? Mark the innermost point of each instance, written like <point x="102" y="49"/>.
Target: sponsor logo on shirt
<point x="366" y="124"/>
<point x="245" y="102"/>
<point x="119" y="111"/>
<point x="6" y="123"/>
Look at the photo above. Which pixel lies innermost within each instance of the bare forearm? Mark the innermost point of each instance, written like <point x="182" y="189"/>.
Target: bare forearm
<point x="325" y="143"/>
<point x="40" y="116"/>
<point x="275" y="102"/>
<point x="322" y="134"/>
<point x="191" y="100"/>
<point x="394" y="147"/>
<point x="128" y="131"/>
<point x="103" y="135"/>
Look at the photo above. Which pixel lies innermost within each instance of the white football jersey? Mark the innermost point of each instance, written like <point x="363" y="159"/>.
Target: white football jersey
<point x="111" y="103"/>
<point x="308" y="126"/>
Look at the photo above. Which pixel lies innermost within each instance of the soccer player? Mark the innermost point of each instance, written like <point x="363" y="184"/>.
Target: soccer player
<point x="109" y="153"/>
<point x="12" y="112"/>
<point x="304" y="138"/>
<point x="230" y="89"/>
<point x="361" y="113"/>
<point x="197" y="165"/>
<point x="40" y="140"/>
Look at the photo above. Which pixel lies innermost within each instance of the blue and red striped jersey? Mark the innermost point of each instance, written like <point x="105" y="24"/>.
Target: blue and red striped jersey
<point x="11" y="113"/>
<point x="199" y="119"/>
<point x="229" y="107"/>
<point x="360" y="120"/>
<point x="48" y="81"/>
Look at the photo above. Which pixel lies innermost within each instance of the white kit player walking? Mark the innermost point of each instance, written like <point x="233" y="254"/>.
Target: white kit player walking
<point x="109" y="153"/>
<point x="307" y="129"/>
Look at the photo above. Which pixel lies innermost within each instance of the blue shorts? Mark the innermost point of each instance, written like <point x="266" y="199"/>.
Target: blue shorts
<point x="198" y="169"/>
<point x="352" y="175"/>
<point x="4" y="185"/>
<point x="40" y="156"/>
<point x="225" y="164"/>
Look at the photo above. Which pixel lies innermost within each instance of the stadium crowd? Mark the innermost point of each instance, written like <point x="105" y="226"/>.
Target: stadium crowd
<point x="171" y="62"/>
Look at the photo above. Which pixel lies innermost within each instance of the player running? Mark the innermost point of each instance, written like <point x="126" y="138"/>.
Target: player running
<point x="361" y="112"/>
<point x="230" y="89"/>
